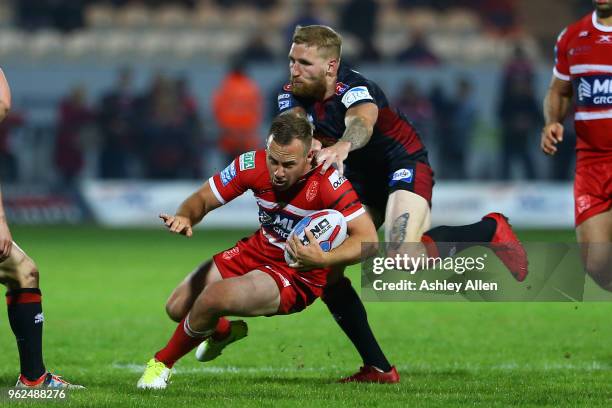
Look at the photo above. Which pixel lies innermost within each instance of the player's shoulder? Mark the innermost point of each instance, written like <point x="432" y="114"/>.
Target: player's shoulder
<point x="579" y="28"/>
<point x="332" y="179"/>
<point x="353" y="87"/>
<point x="252" y="161"/>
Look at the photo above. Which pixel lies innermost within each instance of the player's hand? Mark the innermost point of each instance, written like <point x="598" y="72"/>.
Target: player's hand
<point x="335" y="155"/>
<point x="6" y="240"/>
<point x="177" y="224"/>
<point x="551" y="135"/>
<point x="307" y="256"/>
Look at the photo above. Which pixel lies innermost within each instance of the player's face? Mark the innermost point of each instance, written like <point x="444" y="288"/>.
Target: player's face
<point x="286" y="164"/>
<point x="307" y="68"/>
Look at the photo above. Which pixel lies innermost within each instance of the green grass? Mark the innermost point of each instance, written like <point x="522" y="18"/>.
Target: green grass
<point x="104" y="293"/>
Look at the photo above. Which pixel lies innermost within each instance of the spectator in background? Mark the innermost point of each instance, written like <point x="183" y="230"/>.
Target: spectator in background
<point x="307" y="14"/>
<point x="518" y="112"/>
<point x="237" y="108"/>
<point x="358" y="17"/>
<point x="455" y="143"/>
<point x="519" y="115"/>
<point x="166" y="131"/>
<point x="256" y="50"/>
<point x="116" y="123"/>
<point x="189" y="113"/>
<point x="74" y="117"/>
<point x="9" y="171"/>
<point x="416" y="107"/>
<point x="443" y="114"/>
<point x="418" y="52"/>
<point x="518" y="68"/>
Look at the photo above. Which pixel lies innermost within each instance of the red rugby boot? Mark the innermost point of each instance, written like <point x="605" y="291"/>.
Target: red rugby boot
<point x="508" y="248"/>
<point x="370" y="374"/>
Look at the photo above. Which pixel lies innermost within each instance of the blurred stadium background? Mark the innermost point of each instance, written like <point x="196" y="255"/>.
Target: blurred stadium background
<point x="115" y="119"/>
<point x="132" y="91"/>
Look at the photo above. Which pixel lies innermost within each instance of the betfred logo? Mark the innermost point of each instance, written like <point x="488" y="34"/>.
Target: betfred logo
<point x="341" y="88"/>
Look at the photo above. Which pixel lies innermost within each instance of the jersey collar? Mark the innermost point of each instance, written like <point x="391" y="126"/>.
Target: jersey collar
<point x="599" y="26"/>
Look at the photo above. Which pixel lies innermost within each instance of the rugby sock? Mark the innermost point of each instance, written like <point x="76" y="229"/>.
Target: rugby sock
<point x="458" y="238"/>
<point x="26" y="319"/>
<point x="348" y="311"/>
<point x="182" y="342"/>
<point x="222" y="330"/>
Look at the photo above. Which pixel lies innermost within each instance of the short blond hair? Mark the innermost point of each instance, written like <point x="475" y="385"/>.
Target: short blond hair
<point x="320" y="36"/>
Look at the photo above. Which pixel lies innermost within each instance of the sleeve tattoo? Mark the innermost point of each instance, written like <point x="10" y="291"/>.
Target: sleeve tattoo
<point x="356" y="133"/>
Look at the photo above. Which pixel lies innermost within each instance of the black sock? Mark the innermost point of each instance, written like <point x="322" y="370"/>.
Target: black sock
<point x="26" y="319"/>
<point x="461" y="237"/>
<point x="348" y="311"/>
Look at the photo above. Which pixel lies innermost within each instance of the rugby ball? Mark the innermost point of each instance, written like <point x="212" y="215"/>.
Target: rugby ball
<point x="327" y="226"/>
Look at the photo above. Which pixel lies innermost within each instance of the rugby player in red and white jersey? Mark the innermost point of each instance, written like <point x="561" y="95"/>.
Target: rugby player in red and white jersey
<point x="252" y="278"/>
<point x="583" y="68"/>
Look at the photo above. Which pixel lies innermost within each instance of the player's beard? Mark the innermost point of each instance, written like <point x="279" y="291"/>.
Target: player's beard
<point x="315" y="90"/>
<point x="604" y="10"/>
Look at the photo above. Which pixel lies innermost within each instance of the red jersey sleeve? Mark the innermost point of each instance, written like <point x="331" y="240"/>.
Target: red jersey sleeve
<point x="561" y="69"/>
<point x="238" y="177"/>
<point x="337" y="193"/>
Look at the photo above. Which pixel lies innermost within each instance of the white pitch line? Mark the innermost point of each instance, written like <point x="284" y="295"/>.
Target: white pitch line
<point x="508" y="366"/>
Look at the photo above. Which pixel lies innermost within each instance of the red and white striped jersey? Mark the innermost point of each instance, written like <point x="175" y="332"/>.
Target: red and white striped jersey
<point x="584" y="57"/>
<point x="280" y="211"/>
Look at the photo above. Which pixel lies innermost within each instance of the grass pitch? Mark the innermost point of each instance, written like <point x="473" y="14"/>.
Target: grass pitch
<point x="104" y="293"/>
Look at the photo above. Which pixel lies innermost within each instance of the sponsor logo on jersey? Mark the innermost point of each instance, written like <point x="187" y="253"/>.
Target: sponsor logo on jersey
<point x="284" y="96"/>
<point x="594" y="91"/>
<point x="287" y="87"/>
<point x="230" y="253"/>
<point x="336" y="180"/>
<point x="604" y="39"/>
<point x="280" y="223"/>
<point x="403" y="175"/>
<point x="341" y="88"/>
<point x="284" y="104"/>
<point x="356" y="94"/>
<point x="247" y="161"/>
<point x="312" y="191"/>
<point x="228" y="174"/>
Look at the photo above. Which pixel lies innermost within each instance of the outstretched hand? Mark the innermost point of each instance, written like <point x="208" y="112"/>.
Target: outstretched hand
<point x="177" y="224"/>
<point x="334" y="155"/>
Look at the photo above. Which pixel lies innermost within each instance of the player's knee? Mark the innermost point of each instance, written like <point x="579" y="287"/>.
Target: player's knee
<point x="27" y="274"/>
<point x="600" y="269"/>
<point x="214" y="300"/>
<point x="175" y="310"/>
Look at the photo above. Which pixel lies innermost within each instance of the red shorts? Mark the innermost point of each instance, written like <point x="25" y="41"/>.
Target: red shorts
<point x="296" y="291"/>
<point x="592" y="190"/>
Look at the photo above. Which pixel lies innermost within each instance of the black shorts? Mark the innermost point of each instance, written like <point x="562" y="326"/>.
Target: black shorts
<point x="375" y="175"/>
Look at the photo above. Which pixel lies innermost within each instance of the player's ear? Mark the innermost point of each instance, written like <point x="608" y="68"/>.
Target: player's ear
<point x="332" y="66"/>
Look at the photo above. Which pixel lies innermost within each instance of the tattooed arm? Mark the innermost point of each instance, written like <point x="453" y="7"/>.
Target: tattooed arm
<point x="359" y="122"/>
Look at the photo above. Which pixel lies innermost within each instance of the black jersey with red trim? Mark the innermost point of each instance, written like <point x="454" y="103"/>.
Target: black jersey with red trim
<point x="393" y="134"/>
